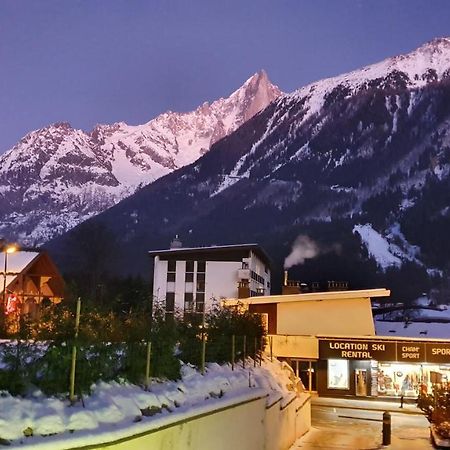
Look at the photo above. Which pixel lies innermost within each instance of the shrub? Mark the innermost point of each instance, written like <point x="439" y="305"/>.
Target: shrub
<point x="436" y="406"/>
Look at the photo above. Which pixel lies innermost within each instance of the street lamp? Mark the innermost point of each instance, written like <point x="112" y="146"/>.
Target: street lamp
<point x="7" y="249"/>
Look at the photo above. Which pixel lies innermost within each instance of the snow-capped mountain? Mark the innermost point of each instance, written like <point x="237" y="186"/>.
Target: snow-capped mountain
<point x="368" y="147"/>
<point x="56" y="177"/>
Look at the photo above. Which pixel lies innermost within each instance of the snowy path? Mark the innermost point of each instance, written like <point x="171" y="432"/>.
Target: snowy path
<point x="344" y="428"/>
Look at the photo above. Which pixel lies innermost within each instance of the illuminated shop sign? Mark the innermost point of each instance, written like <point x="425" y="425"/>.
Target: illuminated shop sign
<point x="384" y="350"/>
<point x="438" y="353"/>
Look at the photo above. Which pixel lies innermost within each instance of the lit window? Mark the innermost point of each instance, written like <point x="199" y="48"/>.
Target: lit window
<point x="338" y="374"/>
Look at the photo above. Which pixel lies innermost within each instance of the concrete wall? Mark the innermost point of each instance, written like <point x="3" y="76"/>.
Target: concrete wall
<point x="305" y="347"/>
<point x="250" y="425"/>
<point x="284" y="424"/>
<point x="221" y="280"/>
<point x="345" y="317"/>
<point x="159" y="279"/>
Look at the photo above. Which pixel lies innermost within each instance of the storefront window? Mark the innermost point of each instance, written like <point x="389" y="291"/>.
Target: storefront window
<point x="409" y="380"/>
<point x="338" y="374"/>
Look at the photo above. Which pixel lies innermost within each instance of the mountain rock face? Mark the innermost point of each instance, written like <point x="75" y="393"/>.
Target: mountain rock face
<point x="56" y="177"/>
<point x="359" y="162"/>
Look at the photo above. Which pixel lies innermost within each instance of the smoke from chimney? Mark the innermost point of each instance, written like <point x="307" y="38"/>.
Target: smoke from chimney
<point x="303" y="248"/>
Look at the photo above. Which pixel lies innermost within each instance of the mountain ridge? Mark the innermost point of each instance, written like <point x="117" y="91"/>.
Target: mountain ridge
<point x="58" y="176"/>
<point x="378" y="154"/>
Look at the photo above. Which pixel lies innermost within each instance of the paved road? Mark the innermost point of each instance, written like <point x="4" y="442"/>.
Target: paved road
<point x="344" y="428"/>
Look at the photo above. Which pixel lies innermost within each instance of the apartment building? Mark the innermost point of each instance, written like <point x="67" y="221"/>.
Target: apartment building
<point x="191" y="279"/>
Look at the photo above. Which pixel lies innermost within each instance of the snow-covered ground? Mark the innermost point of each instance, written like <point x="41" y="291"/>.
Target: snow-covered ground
<point x="413" y="329"/>
<point x="117" y="410"/>
<point x="377" y="246"/>
<point x="336" y="425"/>
<point x="426" y="322"/>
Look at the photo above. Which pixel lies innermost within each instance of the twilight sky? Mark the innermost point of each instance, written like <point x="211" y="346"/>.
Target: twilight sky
<point x="103" y="61"/>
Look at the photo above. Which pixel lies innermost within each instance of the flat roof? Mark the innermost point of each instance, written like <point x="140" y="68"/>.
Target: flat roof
<point x="310" y="296"/>
<point x="345" y="337"/>
<point x="382" y="338"/>
<point x="256" y="248"/>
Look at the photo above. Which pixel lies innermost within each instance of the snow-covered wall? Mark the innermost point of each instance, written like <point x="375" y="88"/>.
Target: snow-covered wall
<point x="249" y="424"/>
<point x="244" y="408"/>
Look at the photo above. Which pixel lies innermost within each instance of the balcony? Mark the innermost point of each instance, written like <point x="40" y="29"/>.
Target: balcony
<point x="244" y="274"/>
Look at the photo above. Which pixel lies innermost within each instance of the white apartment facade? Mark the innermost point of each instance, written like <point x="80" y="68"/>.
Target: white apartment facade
<point x="191" y="279"/>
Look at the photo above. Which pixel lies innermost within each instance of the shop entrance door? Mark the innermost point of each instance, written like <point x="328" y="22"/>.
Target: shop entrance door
<point x="361" y="385"/>
<point x="307" y="372"/>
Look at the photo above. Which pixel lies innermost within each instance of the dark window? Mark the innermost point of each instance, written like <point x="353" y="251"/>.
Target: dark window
<point x="200" y="298"/>
<point x="170" y="301"/>
<point x="189" y="266"/>
<point x="201" y="277"/>
<point x="170" y="276"/>
<point x="200" y="286"/>
<point x="189" y="277"/>
<point x="188" y="302"/>
<point x="171" y="266"/>
<point x="201" y="266"/>
<point x="199" y="307"/>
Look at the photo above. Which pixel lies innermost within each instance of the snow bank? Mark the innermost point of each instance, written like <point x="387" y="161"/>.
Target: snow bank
<point x="123" y="409"/>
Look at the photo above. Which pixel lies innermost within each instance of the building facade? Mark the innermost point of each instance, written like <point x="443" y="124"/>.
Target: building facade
<point x="329" y="340"/>
<point x="191" y="279"/>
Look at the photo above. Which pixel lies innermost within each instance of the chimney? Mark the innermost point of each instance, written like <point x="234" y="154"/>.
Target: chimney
<point x="290" y="287"/>
<point x="176" y="243"/>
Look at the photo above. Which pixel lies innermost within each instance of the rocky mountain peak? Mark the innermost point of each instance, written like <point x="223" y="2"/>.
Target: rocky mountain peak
<point x="437" y="44"/>
<point x="253" y="96"/>
<point x="43" y="173"/>
<point x="61" y="125"/>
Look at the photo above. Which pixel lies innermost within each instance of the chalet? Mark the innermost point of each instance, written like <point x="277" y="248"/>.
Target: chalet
<point x="28" y="280"/>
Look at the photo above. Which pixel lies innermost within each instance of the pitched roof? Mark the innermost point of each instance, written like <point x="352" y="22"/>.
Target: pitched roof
<point x="17" y="262"/>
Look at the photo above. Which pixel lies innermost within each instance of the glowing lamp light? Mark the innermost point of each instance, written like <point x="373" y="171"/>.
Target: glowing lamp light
<point x="8" y="249"/>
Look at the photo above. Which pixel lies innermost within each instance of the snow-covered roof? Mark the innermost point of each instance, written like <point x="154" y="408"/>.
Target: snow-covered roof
<point x="428" y="321"/>
<point x="382" y="337"/>
<point x="413" y="329"/>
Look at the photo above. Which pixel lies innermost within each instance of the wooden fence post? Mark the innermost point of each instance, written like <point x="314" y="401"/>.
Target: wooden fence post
<point x="203" y="356"/>
<point x="271" y="348"/>
<point x="147" y="365"/>
<point x="232" y="352"/>
<point x="261" y="347"/>
<point x="74" y="354"/>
